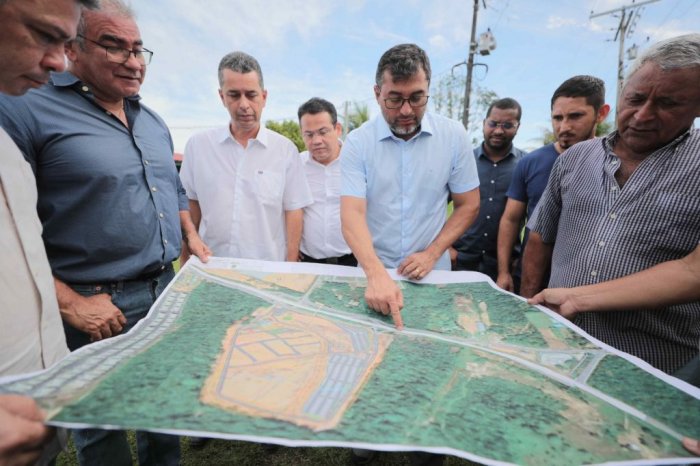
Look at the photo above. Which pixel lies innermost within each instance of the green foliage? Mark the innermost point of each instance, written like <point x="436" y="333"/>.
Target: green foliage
<point x="448" y="99"/>
<point x="289" y="129"/>
<point x="355" y="117"/>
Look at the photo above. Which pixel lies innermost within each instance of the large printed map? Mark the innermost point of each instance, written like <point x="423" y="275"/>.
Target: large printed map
<point x="290" y="354"/>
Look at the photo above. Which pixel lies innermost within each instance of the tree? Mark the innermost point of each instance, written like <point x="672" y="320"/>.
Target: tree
<point x="448" y="100"/>
<point x="355" y="118"/>
<point x="290" y="129"/>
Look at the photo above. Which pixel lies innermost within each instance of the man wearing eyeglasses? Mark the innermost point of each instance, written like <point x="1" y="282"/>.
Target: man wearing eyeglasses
<point x="578" y="106"/>
<point x="112" y="208"/>
<point x="397" y="171"/>
<point x="496" y="159"/>
<point x="322" y="239"/>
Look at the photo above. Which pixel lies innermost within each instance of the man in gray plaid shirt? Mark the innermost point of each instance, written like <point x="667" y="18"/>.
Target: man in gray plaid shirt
<point x="621" y="204"/>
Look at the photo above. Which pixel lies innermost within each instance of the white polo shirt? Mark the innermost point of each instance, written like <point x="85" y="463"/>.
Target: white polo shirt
<point x="322" y="236"/>
<point x="243" y="192"/>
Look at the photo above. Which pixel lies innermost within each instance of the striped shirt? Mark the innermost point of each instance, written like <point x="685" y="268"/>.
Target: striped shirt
<point x="604" y="232"/>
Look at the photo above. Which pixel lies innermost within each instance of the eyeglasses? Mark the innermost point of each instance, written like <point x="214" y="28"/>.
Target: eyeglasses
<point x="121" y="55"/>
<point x="506" y="125"/>
<point x="415" y="101"/>
<point x="325" y="131"/>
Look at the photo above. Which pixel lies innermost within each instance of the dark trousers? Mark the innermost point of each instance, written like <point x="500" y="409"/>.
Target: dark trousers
<point x="109" y="447"/>
<point x="347" y="259"/>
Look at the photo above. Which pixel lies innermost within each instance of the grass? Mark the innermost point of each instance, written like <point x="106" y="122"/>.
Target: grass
<point x="226" y="452"/>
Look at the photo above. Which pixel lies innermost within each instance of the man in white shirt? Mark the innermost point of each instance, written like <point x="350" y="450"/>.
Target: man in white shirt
<point x="245" y="183"/>
<point x="322" y="239"/>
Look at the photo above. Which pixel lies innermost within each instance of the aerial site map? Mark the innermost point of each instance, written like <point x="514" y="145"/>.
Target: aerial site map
<point x="290" y="354"/>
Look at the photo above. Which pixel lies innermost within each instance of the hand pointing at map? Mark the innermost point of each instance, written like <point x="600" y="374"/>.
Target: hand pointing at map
<point x="384" y="295"/>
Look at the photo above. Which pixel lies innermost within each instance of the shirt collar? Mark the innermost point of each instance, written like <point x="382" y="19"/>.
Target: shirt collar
<point x="262" y="137"/>
<point x="68" y="79"/>
<point x="384" y="132"/>
<point x="611" y="139"/>
<point x="480" y="152"/>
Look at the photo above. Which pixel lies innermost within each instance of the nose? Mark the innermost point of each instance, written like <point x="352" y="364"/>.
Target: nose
<point x="133" y="63"/>
<point x="646" y="112"/>
<point x="54" y="59"/>
<point x="405" y="108"/>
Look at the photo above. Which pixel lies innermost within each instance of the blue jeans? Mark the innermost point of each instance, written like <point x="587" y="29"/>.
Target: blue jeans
<point x="109" y="447"/>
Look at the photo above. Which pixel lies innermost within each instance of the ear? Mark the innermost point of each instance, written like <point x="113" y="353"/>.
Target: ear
<point x="338" y="129"/>
<point x="603" y="113"/>
<point x="70" y="49"/>
<point x="264" y="96"/>
<point x="221" y="96"/>
<point x="377" y="91"/>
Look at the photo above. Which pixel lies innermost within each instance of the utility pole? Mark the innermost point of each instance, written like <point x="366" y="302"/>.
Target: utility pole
<point x="627" y="14"/>
<point x="470" y="65"/>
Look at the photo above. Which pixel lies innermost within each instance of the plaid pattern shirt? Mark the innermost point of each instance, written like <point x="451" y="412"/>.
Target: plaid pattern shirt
<point x="601" y="232"/>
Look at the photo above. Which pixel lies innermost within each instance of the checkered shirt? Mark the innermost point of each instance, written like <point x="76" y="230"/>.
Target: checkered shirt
<point x="604" y="232"/>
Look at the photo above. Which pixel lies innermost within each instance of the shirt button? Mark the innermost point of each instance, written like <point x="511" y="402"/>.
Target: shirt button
<point x="161" y="215"/>
<point x="165" y="241"/>
<point x="601" y="243"/>
<point x="613" y="216"/>
<point x="486" y="234"/>
<point x="146" y="162"/>
<point x="492" y="181"/>
<point x="594" y="273"/>
<point x="154" y="189"/>
<point x="85" y="88"/>
<point x="488" y="217"/>
<point x="490" y="199"/>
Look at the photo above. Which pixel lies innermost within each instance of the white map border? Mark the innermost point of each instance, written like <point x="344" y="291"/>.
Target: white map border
<point x="434" y="277"/>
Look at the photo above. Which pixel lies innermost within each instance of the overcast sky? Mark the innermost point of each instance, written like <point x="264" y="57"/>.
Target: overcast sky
<point x="330" y="49"/>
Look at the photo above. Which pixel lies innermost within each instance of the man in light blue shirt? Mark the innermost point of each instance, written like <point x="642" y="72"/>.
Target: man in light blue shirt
<point x="396" y="174"/>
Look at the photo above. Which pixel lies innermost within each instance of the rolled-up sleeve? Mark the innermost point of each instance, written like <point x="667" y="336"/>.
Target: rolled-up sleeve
<point x="545" y="219"/>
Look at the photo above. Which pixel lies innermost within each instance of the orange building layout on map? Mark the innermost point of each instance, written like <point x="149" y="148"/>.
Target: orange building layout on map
<point x="293" y="367"/>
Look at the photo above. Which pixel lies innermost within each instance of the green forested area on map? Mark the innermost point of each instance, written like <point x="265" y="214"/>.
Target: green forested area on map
<point x="425" y="391"/>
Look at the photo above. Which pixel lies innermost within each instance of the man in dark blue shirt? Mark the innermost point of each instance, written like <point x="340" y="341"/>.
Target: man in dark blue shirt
<point x="496" y="159"/>
<point x="578" y="106"/>
<point x="109" y="198"/>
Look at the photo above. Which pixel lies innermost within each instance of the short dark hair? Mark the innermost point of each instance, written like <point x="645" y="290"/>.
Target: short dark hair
<point x="590" y="87"/>
<point x="505" y="103"/>
<point x="316" y="105"/>
<point x="402" y="62"/>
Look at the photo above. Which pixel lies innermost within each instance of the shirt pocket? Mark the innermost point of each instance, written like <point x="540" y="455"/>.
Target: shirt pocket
<point x="269" y="186"/>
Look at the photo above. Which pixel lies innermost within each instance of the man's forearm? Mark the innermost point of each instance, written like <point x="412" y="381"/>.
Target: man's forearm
<point x="294" y="220"/>
<point x="466" y="209"/>
<point x="507" y="234"/>
<point x="357" y="236"/>
<point x="668" y="283"/>
<point x="536" y="260"/>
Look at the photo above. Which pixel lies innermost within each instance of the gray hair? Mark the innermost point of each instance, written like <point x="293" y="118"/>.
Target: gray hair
<point x="670" y="54"/>
<point x="402" y="62"/>
<point x="117" y="7"/>
<point x="240" y="62"/>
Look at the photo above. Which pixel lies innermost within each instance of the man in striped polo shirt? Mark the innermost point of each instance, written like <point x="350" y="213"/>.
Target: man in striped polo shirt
<point x="624" y="203"/>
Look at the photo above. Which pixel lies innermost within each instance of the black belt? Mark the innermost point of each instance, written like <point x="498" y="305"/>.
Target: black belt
<point x="150" y="275"/>
<point x="340" y="260"/>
